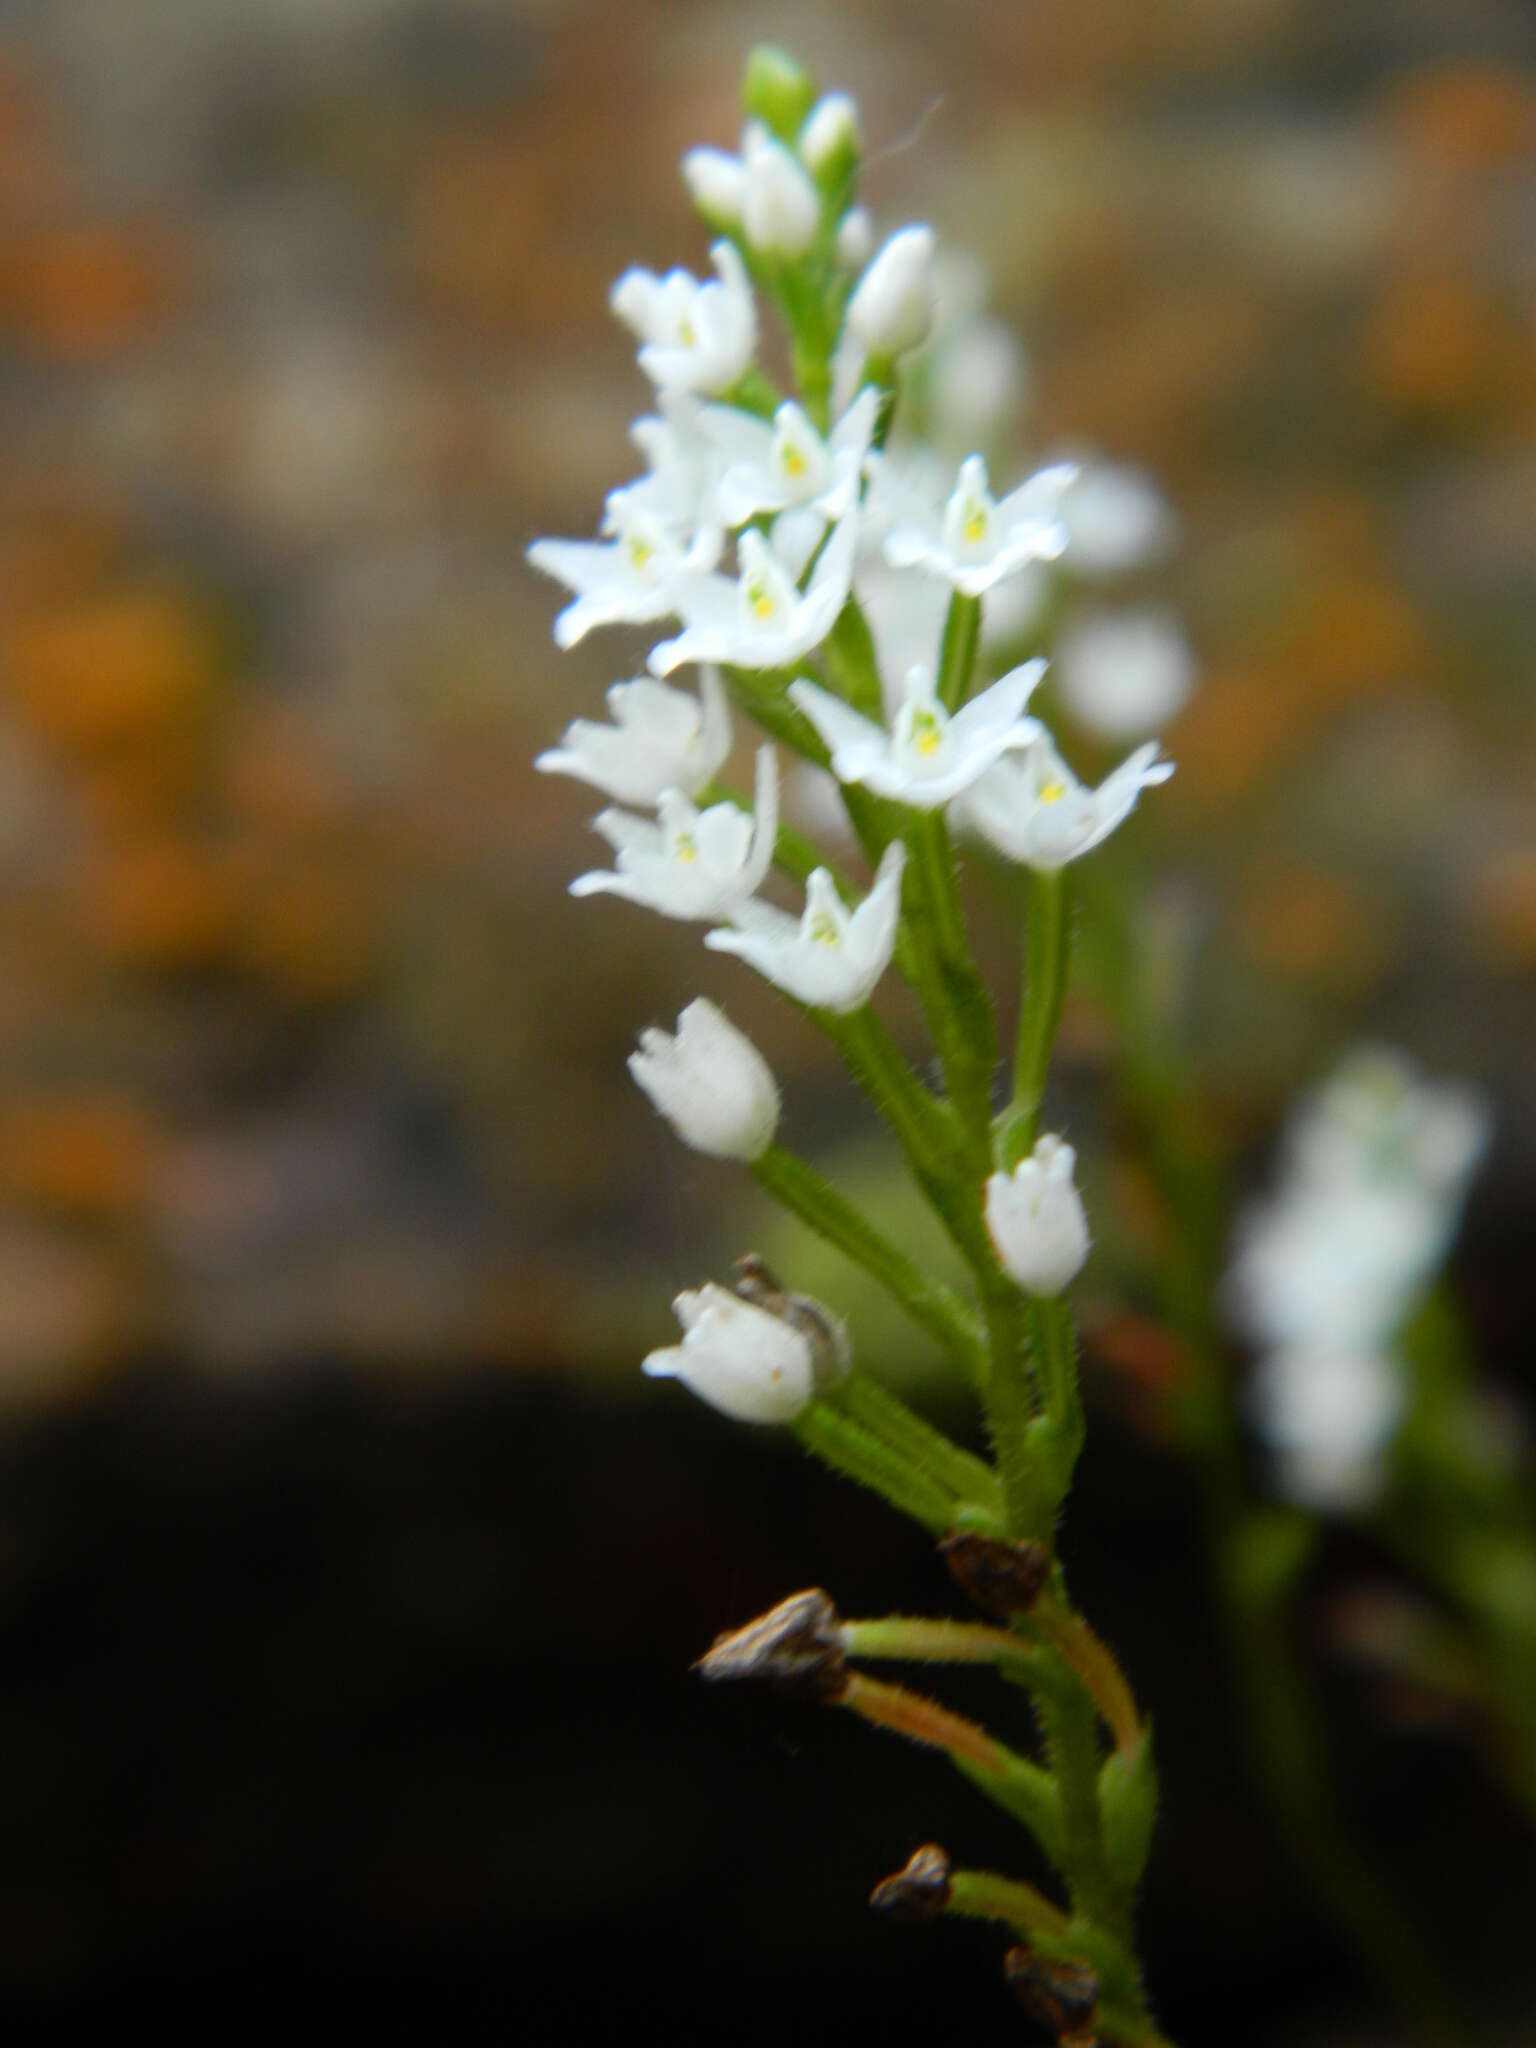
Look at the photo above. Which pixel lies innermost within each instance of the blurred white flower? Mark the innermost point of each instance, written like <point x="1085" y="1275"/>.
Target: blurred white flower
<point x="974" y="540"/>
<point x="759" y="619"/>
<point x="831" y="957"/>
<point x="743" y="1361"/>
<point x="627" y="580"/>
<point x="1116" y="519"/>
<point x="693" y="336"/>
<point x="1328" y="1415"/>
<point x="679" y="488"/>
<point x="780" y="207"/>
<point x="1035" y="1219"/>
<point x="855" y="239"/>
<point x="710" y="1082"/>
<point x="831" y="132"/>
<point x="660" y="739"/>
<point x="769" y="467"/>
<point x="892" y="306"/>
<point x="690" y="864"/>
<point x="1124" y="674"/>
<point x="1030" y="807"/>
<point x="930" y="754"/>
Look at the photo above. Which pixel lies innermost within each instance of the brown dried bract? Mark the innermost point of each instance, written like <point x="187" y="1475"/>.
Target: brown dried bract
<point x="826" y="1333"/>
<point x="796" y="1647"/>
<point x="1061" y="1996"/>
<point x="920" y="1891"/>
<point x="1001" y="1578"/>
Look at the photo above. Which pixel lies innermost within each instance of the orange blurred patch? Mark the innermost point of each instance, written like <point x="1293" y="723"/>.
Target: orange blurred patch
<point x="127" y="666"/>
<point x="306" y="931"/>
<point x="1304" y="922"/>
<point x="1466" y="116"/>
<point x="1439" y="349"/>
<point x="1350" y="636"/>
<point x="81" y="1159"/>
<point x="83" y="292"/>
<point x="1243" y="722"/>
<point x="1502" y="903"/>
<point x="275" y="779"/>
<point x="163" y="902"/>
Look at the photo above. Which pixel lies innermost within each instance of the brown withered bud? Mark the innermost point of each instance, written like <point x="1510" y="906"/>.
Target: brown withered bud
<point x="827" y="1334"/>
<point x="1001" y="1578"/>
<point x="1063" y="1997"/>
<point x="795" y="1647"/>
<point x="920" y="1891"/>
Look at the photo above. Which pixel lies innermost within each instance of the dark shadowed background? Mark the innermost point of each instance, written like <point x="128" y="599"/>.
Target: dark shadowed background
<point x="348" y="1573"/>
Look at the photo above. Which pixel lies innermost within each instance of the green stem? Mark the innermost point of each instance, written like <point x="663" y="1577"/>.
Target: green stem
<point x="1046" y="950"/>
<point x="953" y="993"/>
<point x="984" y="1895"/>
<point x="849" y="1448"/>
<point x="850" y="662"/>
<point x="969" y="1478"/>
<point x="904" y="1639"/>
<point x="957" y="652"/>
<point x="931" y="1305"/>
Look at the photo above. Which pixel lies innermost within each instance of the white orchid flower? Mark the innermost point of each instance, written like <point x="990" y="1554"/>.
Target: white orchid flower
<point x="892" y="306"/>
<point x="693" y="336"/>
<point x="625" y="581"/>
<point x="773" y="466"/>
<point x="1116" y="519"/>
<point x="750" y="1365"/>
<point x="1327" y="1413"/>
<point x="688" y="863"/>
<point x="678" y="491"/>
<point x="760" y="619"/>
<point x="830" y="957"/>
<point x="974" y="540"/>
<point x="1030" y="807"/>
<point x="930" y="755"/>
<point x="1124" y="674"/>
<point x="1035" y="1218"/>
<point x="660" y="739"/>
<point x="711" y="1084"/>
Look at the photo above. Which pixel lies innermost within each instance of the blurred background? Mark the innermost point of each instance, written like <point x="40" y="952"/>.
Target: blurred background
<point x="348" y="1572"/>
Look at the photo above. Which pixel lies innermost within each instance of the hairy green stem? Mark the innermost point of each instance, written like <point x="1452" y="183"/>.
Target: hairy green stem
<point x="957" y="651"/>
<point x="1046" y="948"/>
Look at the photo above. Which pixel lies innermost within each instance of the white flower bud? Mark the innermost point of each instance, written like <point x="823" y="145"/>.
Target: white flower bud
<point x="855" y="239"/>
<point x="830" y="133"/>
<point x="779" y="207"/>
<point x="718" y="182"/>
<point x="1035" y="1219"/>
<point x="892" y="307"/>
<point x="749" y="1364"/>
<point x="711" y="1084"/>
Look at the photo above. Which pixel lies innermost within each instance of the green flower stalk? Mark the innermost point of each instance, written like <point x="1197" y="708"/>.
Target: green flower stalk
<point x="763" y="530"/>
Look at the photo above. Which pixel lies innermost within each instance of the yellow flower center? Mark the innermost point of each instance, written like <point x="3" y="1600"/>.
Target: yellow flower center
<point x="974" y="525"/>
<point x="640" y="551"/>
<point x="792" y="460"/>
<point x="760" y="601"/>
<point x="684" y="849"/>
<point x="925" y="733"/>
<point x="823" y="930"/>
<point x="687" y="334"/>
<point x="1052" y="792"/>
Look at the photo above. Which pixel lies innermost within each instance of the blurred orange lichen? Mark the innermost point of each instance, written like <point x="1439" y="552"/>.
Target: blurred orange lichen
<point x="306" y="931"/>
<point x="1348" y="637"/>
<point x="83" y="291"/>
<point x="1466" y="116"/>
<point x="1442" y="349"/>
<point x="163" y="902"/>
<point x="1239" y="728"/>
<point x="1303" y="921"/>
<point x="121" y="667"/>
<point x="77" y="1158"/>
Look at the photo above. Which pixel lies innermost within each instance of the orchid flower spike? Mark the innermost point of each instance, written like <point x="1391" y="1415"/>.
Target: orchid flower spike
<point x="772" y="466"/>
<point x="760" y="620"/>
<point x="831" y="958"/>
<point x="930" y="755"/>
<point x="1032" y="808"/>
<point x="1035" y="1219"/>
<point x="711" y="1084"/>
<point x="747" y="1363"/>
<point x="693" y="336"/>
<point x="684" y="465"/>
<point x="974" y="540"/>
<point x="690" y="864"/>
<point x="660" y="739"/>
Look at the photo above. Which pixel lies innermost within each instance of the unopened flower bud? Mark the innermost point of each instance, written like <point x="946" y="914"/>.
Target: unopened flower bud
<point x="855" y="239"/>
<point x="892" y="307"/>
<point x="796" y="1647"/>
<point x="711" y="1084"/>
<point x="776" y="90"/>
<point x="920" y="1891"/>
<point x="829" y="141"/>
<point x="1035" y="1219"/>
<point x="718" y="182"/>
<point x="737" y="1358"/>
<point x="779" y="207"/>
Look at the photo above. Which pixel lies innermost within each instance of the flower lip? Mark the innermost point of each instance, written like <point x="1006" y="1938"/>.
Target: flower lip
<point x="688" y="863"/>
<point x="736" y="1357"/>
<point x="660" y="738"/>
<point x="831" y="958"/>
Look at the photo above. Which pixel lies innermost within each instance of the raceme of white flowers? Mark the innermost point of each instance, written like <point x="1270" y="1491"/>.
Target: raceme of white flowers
<point x="1377" y="1163"/>
<point x="768" y="530"/>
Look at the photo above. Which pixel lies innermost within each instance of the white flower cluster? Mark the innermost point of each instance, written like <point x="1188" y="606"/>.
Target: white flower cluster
<point x="761" y="521"/>
<point x="1377" y="1165"/>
